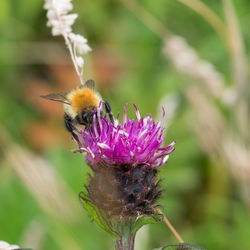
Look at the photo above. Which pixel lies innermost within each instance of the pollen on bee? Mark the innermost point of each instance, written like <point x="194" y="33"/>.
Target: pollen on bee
<point x="83" y="100"/>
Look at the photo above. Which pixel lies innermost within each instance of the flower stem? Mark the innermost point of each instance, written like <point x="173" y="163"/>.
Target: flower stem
<point x="170" y="226"/>
<point x="125" y="243"/>
<point x="127" y="238"/>
<point x="73" y="58"/>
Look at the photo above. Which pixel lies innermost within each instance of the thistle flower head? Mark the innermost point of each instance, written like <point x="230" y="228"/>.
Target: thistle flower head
<point x="124" y="158"/>
<point x="132" y="142"/>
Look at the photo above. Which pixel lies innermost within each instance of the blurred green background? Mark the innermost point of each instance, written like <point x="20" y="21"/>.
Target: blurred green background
<point x="206" y="180"/>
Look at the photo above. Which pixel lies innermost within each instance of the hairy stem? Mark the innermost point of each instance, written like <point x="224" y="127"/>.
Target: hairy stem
<point x="127" y="238"/>
<point x="125" y="243"/>
<point x="73" y="58"/>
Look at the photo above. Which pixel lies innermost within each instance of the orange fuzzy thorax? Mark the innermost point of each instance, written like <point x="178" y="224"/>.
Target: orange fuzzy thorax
<point x="83" y="99"/>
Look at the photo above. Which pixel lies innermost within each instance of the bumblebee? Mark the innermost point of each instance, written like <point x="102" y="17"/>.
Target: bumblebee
<point x="80" y="105"/>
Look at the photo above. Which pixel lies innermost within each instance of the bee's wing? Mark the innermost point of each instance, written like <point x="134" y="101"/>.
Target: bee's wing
<point x="90" y="84"/>
<point x="59" y="97"/>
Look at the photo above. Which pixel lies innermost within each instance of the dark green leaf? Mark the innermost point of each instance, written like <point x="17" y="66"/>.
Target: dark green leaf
<point x="97" y="215"/>
<point x="146" y="220"/>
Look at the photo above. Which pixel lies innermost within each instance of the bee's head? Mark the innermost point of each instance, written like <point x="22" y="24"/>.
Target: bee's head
<point x="86" y="117"/>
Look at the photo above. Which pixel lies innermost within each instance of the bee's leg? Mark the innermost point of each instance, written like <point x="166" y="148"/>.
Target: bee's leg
<point x="109" y="111"/>
<point x="86" y="119"/>
<point x="89" y="121"/>
<point x="90" y="118"/>
<point x="69" y="127"/>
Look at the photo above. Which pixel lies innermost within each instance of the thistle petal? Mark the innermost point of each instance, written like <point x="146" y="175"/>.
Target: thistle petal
<point x="132" y="142"/>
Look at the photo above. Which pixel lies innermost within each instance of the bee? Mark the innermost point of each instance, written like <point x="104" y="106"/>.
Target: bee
<point x="80" y="105"/>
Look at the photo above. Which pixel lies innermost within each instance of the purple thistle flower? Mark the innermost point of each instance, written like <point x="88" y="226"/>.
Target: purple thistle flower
<point x="124" y="158"/>
<point x="133" y="142"/>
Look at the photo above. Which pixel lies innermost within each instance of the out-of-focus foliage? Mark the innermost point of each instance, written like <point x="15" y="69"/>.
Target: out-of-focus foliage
<point x="202" y="198"/>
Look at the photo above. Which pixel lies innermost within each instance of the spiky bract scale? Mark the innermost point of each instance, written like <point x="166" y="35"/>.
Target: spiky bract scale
<point x="124" y="191"/>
